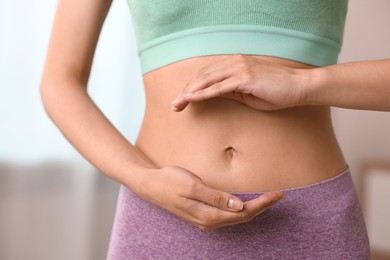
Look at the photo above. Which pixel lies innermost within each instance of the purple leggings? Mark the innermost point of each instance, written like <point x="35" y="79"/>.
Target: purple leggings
<point x="318" y="221"/>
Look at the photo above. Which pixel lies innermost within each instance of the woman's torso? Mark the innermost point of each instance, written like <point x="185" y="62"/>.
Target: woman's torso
<point x="233" y="147"/>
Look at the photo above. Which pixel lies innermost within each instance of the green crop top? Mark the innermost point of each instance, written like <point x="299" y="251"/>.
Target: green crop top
<point x="308" y="31"/>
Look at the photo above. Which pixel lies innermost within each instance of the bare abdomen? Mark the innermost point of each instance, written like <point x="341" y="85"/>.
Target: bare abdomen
<point x="231" y="146"/>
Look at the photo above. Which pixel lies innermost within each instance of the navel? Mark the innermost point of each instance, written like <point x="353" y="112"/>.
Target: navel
<point x="230" y="151"/>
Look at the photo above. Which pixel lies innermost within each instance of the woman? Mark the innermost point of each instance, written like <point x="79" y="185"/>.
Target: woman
<point x="237" y="117"/>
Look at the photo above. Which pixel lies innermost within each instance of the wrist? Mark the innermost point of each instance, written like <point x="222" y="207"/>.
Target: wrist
<point x="139" y="178"/>
<point x="315" y="80"/>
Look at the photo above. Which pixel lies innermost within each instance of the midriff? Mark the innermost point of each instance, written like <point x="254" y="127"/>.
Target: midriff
<point x="231" y="146"/>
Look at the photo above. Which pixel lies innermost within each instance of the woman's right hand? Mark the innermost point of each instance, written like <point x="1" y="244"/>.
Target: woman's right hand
<point x="185" y="194"/>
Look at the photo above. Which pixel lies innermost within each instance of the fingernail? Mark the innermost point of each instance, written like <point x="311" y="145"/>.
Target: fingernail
<point x="235" y="204"/>
<point x="174" y="108"/>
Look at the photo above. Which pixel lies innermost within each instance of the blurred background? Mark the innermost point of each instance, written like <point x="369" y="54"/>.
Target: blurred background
<point x="55" y="205"/>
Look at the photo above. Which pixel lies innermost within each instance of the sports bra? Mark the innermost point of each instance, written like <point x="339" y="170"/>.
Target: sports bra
<point x="308" y="31"/>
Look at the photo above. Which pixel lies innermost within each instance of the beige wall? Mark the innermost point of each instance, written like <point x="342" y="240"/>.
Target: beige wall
<point x="37" y="222"/>
<point x="365" y="135"/>
<point x="367" y="36"/>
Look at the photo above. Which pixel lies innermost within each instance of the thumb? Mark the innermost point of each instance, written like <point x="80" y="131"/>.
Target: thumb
<point x="219" y="199"/>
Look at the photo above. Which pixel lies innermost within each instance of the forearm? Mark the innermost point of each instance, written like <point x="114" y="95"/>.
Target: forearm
<point x="92" y="134"/>
<point x="356" y="85"/>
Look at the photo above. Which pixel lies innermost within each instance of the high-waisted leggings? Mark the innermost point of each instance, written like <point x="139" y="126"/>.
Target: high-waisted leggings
<point x="318" y="221"/>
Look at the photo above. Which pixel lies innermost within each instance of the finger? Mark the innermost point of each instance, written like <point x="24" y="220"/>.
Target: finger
<point x="252" y="101"/>
<point x="207" y="78"/>
<point x="258" y="205"/>
<point x="209" y="217"/>
<point x="199" y="82"/>
<point x="205" y="216"/>
<point x="180" y="102"/>
<point x="251" y="209"/>
<point x="214" y="72"/>
<point x="212" y="68"/>
<point x="218" y="89"/>
<point x="216" y="198"/>
<point x="201" y="214"/>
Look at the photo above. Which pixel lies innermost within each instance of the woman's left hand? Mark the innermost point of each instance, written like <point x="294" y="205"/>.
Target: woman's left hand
<point x="257" y="83"/>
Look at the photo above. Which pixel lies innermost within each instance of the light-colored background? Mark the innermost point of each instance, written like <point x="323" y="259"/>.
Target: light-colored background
<point x="54" y="204"/>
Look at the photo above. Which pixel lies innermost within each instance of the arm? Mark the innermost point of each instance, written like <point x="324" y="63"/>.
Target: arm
<point x="64" y="95"/>
<point x="356" y="85"/>
<point x="63" y="91"/>
<point x="268" y="86"/>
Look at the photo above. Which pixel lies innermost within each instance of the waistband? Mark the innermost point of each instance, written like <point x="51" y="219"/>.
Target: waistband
<point x="333" y="185"/>
<point x="230" y="39"/>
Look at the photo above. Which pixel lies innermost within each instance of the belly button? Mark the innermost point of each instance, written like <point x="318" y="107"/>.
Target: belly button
<point x="230" y="151"/>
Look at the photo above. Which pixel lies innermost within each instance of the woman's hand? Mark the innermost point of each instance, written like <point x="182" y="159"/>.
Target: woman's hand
<point x="185" y="195"/>
<point x="257" y="83"/>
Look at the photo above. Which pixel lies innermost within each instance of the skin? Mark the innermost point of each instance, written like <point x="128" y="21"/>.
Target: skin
<point x="188" y="162"/>
<point x="267" y="86"/>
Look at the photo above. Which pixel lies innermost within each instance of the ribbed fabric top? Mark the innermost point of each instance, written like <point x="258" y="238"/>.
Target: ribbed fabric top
<point x="309" y="31"/>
